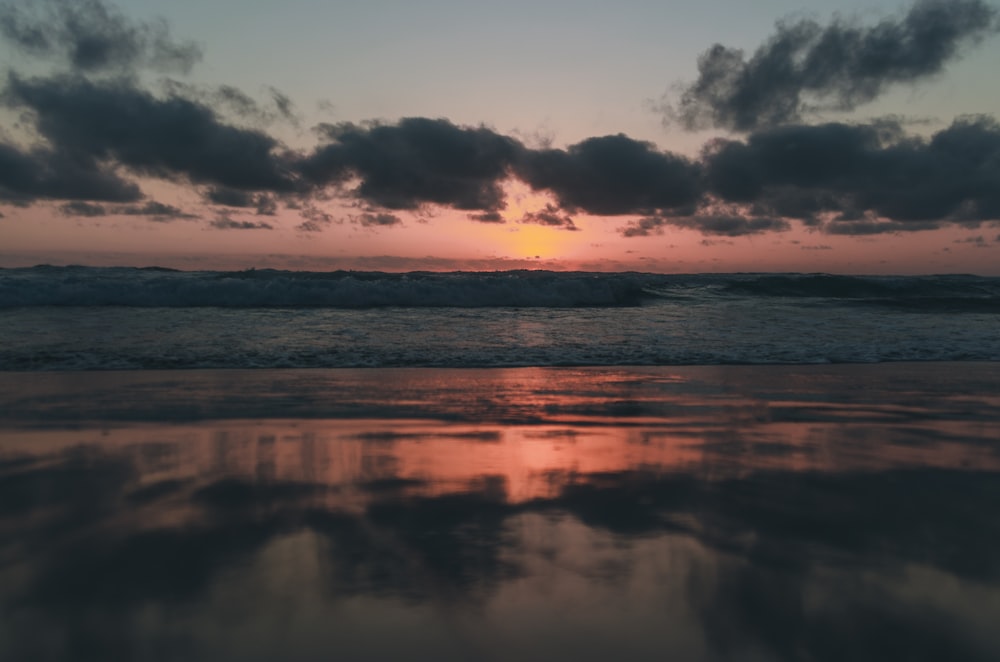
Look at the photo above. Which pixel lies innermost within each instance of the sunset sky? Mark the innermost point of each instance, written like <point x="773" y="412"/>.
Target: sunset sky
<point x="782" y="135"/>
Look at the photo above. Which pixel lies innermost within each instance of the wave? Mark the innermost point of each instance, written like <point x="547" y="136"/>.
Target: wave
<point x="262" y="288"/>
<point x="90" y="286"/>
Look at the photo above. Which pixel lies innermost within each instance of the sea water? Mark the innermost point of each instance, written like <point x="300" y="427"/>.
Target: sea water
<point x="269" y="465"/>
<point x="80" y="318"/>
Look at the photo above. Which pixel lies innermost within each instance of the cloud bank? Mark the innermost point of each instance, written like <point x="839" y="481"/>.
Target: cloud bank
<point x="840" y="66"/>
<point x="96" y="132"/>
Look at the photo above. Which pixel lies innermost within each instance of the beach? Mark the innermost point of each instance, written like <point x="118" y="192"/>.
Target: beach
<point x="696" y="512"/>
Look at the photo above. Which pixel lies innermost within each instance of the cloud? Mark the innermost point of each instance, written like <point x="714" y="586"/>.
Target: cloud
<point x="707" y="223"/>
<point x="231" y="101"/>
<point x="156" y="210"/>
<point x="979" y="241"/>
<point x="92" y="134"/>
<point x="46" y="174"/>
<point x="173" y="137"/>
<point x="414" y="162"/>
<point x="730" y="225"/>
<point x="866" y="227"/>
<point x="91" y="36"/>
<point x="612" y="175"/>
<point x="265" y="204"/>
<point x="81" y="208"/>
<point x="643" y="227"/>
<point x="315" y="219"/>
<point x="488" y="217"/>
<point x="841" y="65"/>
<point x="370" y="220"/>
<point x="225" y="222"/>
<point x="873" y="177"/>
<point x="550" y="216"/>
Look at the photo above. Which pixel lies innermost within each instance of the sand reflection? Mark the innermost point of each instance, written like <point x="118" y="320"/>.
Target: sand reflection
<point x="593" y="514"/>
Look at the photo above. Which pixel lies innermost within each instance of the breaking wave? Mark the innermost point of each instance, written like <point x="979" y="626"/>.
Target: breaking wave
<point x="265" y="288"/>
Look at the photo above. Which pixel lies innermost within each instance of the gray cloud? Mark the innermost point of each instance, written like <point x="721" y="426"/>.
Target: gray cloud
<point x="550" y="216"/>
<point x="81" y="208"/>
<point x="862" y="173"/>
<point x="487" y="217"/>
<point x="730" y="225"/>
<point x="612" y="175"/>
<point x="172" y="137"/>
<point x="414" y="162"/>
<point x="233" y="102"/>
<point x="376" y="220"/>
<point x="155" y="210"/>
<point x="854" y="179"/>
<point x="225" y="222"/>
<point x="314" y="219"/>
<point x="91" y="36"/>
<point x="707" y="223"/>
<point x="841" y="65"/>
<point x="265" y="204"/>
<point x="643" y="227"/>
<point x="46" y="174"/>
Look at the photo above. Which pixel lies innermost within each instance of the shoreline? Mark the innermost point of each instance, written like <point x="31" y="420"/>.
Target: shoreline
<point x="592" y="395"/>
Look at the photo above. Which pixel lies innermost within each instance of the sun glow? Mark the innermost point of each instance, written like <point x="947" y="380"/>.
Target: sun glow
<point x="525" y="238"/>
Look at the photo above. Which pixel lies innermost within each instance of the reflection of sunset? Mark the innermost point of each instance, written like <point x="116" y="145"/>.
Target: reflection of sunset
<point x="353" y="463"/>
<point x="520" y="492"/>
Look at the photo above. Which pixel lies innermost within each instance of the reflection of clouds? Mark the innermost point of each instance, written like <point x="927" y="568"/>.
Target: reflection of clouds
<point x="758" y="532"/>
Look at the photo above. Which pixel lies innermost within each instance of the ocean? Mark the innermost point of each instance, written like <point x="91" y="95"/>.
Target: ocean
<point x="270" y="465"/>
<point x="85" y="318"/>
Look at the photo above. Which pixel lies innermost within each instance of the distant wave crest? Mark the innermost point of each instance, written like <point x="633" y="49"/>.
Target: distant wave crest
<point x="90" y="286"/>
<point x="166" y="288"/>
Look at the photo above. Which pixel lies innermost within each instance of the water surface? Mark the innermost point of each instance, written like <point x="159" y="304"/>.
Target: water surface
<point x="726" y="513"/>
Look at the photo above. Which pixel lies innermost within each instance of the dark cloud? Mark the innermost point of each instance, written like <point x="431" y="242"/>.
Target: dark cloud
<point x="91" y="36"/>
<point x="978" y="241"/>
<point x="855" y="179"/>
<point x="157" y="210"/>
<point x="414" y="162"/>
<point x="230" y="197"/>
<point x="552" y="217"/>
<point x="265" y="204"/>
<point x="315" y="219"/>
<point x="730" y="225"/>
<point x="225" y="222"/>
<point x="841" y="65"/>
<point x="873" y="177"/>
<point x="863" y="227"/>
<point x="373" y="220"/>
<point x="45" y="174"/>
<point x="612" y="175"/>
<point x="81" y="208"/>
<point x="231" y="101"/>
<point x="718" y="224"/>
<point x="643" y="227"/>
<point x="169" y="137"/>
<point x="488" y="217"/>
<point x="283" y="105"/>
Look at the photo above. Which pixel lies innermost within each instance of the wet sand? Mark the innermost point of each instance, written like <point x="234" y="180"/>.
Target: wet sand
<point x="729" y="512"/>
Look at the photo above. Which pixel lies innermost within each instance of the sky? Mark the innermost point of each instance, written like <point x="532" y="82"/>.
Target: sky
<point x="713" y="135"/>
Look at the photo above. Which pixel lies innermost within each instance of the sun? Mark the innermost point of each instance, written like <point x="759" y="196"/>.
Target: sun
<point x="535" y="241"/>
<point x="526" y="239"/>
